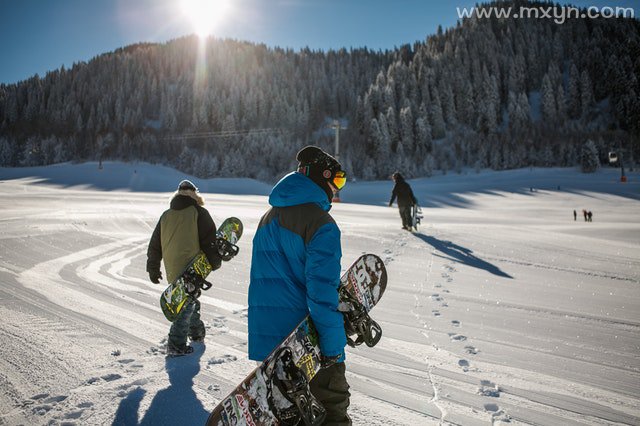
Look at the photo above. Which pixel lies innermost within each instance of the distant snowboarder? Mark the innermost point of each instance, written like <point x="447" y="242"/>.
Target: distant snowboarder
<point x="575" y="215"/>
<point x="584" y="213"/>
<point x="406" y="199"/>
<point x="182" y="232"/>
<point x="589" y="216"/>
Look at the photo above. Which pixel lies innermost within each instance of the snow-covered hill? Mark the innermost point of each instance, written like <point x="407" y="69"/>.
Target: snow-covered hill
<point x="502" y="308"/>
<point x="116" y="176"/>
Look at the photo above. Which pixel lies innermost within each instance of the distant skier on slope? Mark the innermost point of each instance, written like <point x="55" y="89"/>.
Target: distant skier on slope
<point x="182" y="231"/>
<point x="406" y="199"/>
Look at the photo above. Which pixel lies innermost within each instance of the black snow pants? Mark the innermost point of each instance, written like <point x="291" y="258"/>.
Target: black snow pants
<point x="332" y="390"/>
<point x="405" y="215"/>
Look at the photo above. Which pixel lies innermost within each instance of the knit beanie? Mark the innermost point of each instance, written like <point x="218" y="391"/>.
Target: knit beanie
<point x="188" y="189"/>
<point x="318" y="166"/>
<point x="187" y="185"/>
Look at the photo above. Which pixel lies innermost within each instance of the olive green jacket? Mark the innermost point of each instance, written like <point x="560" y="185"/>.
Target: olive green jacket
<point x="182" y="231"/>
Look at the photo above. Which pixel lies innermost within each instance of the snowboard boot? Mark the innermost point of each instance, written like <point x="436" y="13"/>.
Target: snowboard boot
<point x="197" y="339"/>
<point x="197" y="330"/>
<point x="174" y="351"/>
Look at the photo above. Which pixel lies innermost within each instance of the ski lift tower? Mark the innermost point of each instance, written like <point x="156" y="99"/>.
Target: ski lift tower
<point x="337" y="126"/>
<point x="616" y="157"/>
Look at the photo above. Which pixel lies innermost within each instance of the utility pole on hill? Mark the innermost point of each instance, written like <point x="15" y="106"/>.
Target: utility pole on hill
<point x="336" y="126"/>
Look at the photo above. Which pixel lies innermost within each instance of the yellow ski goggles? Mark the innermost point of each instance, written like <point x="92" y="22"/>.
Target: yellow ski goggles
<point x="339" y="179"/>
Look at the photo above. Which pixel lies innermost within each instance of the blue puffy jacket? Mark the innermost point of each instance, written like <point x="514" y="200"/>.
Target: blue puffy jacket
<point x="295" y="269"/>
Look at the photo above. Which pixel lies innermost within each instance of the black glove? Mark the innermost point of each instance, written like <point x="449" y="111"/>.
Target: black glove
<point x="155" y="276"/>
<point x="328" y="361"/>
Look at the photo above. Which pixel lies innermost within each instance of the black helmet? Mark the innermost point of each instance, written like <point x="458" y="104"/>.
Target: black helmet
<point x="321" y="168"/>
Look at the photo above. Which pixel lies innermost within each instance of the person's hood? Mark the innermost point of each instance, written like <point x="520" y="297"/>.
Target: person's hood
<point x="182" y="201"/>
<point x="295" y="189"/>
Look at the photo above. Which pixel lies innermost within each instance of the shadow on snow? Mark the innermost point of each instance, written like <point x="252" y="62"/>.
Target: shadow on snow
<point x="462" y="255"/>
<point x="174" y="405"/>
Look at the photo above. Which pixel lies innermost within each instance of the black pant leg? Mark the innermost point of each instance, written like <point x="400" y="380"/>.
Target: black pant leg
<point x="330" y="387"/>
<point x="405" y="214"/>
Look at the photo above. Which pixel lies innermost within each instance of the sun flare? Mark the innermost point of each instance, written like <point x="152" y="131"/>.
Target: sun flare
<point x="204" y="15"/>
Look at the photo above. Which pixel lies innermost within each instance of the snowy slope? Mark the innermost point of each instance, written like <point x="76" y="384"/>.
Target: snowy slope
<point x="145" y="177"/>
<point x="501" y="309"/>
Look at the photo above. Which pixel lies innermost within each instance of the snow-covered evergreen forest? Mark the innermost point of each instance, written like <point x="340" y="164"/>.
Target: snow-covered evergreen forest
<point x="498" y="93"/>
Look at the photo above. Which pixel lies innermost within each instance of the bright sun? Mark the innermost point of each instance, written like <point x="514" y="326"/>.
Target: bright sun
<point x="204" y="14"/>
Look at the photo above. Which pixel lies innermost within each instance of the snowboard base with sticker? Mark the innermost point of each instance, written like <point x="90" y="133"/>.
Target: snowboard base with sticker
<point x="277" y="391"/>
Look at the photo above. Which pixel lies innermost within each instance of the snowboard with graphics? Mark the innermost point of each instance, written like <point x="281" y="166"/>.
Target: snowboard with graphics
<point x="416" y="216"/>
<point x="277" y="391"/>
<point x="192" y="279"/>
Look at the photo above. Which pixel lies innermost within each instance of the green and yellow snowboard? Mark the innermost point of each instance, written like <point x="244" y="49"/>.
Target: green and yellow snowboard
<point x="193" y="278"/>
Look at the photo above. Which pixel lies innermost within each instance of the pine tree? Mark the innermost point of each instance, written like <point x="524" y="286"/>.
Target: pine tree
<point x="406" y="129"/>
<point x="574" y="108"/>
<point x="517" y="73"/>
<point x="519" y="114"/>
<point x="436" y="118"/>
<point x="561" y="105"/>
<point x="554" y="74"/>
<point x="524" y="111"/>
<point x="448" y="105"/>
<point x="381" y="152"/>
<point x="428" y="165"/>
<point x="548" y="105"/>
<point x="423" y="138"/>
<point x="384" y="130"/>
<point x="6" y="153"/>
<point x="466" y="106"/>
<point x="589" y="159"/>
<point x="392" y="125"/>
<point x="586" y="93"/>
<point x="488" y="104"/>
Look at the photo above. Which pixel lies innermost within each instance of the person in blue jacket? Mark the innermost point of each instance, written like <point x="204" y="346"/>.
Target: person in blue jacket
<point x="295" y="272"/>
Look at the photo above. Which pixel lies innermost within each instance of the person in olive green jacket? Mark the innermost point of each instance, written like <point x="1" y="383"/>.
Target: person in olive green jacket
<point x="182" y="231"/>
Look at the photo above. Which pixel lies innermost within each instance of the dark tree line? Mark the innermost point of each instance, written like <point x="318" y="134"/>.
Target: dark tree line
<point x="503" y="93"/>
<point x="499" y="93"/>
<point x="136" y="102"/>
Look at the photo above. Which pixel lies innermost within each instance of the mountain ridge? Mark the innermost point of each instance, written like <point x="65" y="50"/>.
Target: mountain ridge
<point x="499" y="93"/>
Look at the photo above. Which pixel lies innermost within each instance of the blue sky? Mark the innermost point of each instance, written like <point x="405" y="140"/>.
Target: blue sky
<point x="41" y="35"/>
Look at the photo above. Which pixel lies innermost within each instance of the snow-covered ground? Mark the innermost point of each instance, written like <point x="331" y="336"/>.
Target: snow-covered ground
<point x="502" y="308"/>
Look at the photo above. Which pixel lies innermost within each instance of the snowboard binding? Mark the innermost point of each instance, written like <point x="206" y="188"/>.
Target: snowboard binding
<point x="294" y="387"/>
<point x="357" y="322"/>
<point x="226" y="249"/>
<point x="194" y="283"/>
